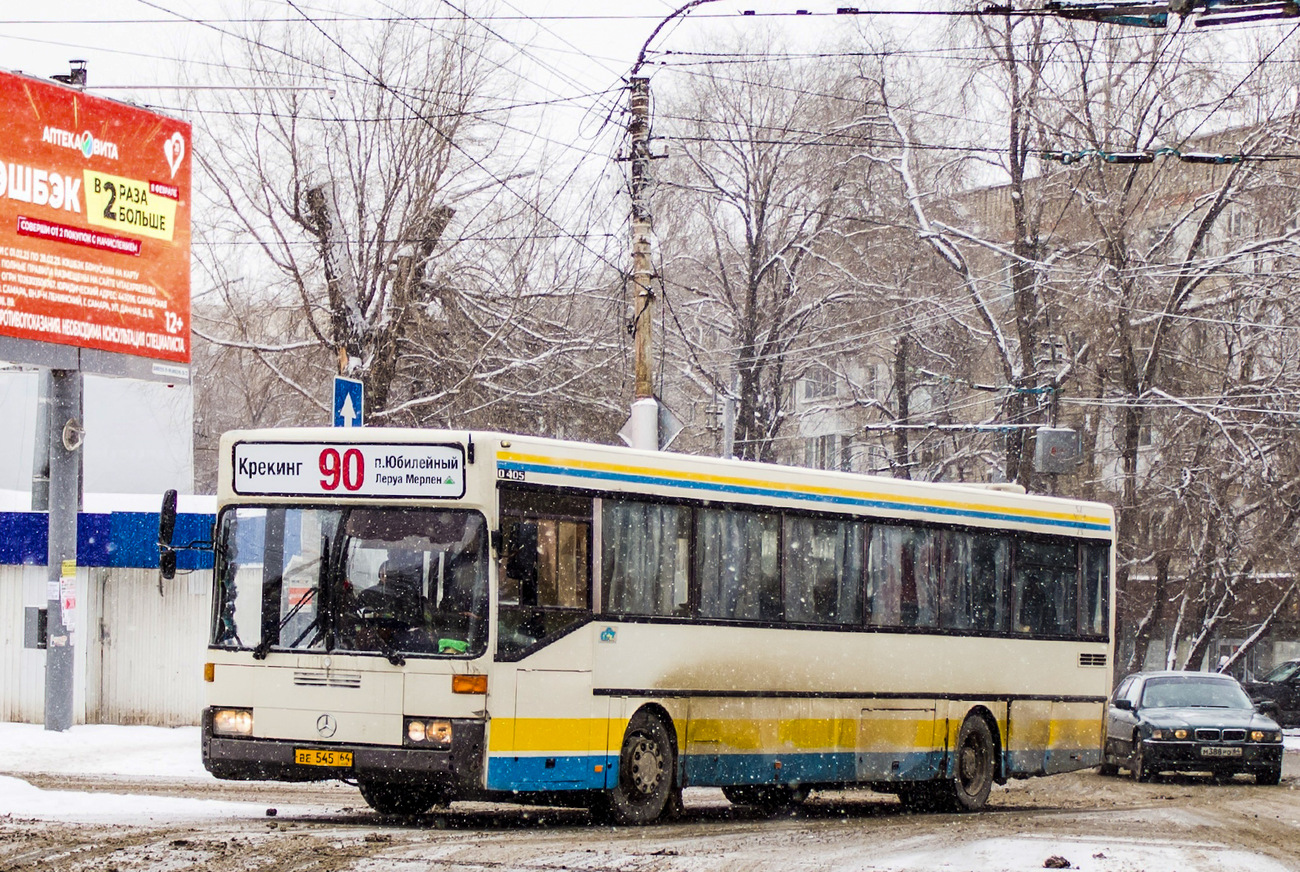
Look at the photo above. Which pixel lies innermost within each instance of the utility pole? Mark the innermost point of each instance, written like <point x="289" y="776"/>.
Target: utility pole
<point x="65" y="436"/>
<point x="645" y="408"/>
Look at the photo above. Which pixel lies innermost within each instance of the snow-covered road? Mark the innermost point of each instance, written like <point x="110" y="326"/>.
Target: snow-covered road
<point x="139" y="798"/>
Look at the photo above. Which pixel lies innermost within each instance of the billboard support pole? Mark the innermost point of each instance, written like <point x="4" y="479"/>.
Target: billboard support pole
<point x="65" y="438"/>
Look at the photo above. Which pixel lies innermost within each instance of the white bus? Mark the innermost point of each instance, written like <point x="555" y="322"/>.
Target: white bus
<point x="438" y="615"/>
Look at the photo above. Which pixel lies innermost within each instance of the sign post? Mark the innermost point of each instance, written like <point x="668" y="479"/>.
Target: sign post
<point x="61" y="563"/>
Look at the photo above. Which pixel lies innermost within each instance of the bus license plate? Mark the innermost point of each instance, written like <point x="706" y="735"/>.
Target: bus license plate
<point x="1213" y="751"/>
<point x="314" y="757"/>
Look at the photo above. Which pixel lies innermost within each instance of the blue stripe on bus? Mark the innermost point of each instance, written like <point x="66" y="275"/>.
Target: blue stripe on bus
<point x="564" y="772"/>
<point x="578" y="771"/>
<point x="630" y="478"/>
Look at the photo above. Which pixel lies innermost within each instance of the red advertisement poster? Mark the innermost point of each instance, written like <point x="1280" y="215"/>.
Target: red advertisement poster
<point x="94" y="222"/>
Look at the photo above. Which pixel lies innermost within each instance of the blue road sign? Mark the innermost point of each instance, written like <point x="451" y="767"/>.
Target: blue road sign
<point x="349" y="402"/>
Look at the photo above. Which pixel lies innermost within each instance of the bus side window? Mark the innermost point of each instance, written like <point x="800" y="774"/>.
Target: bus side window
<point x="544" y="570"/>
<point x="738" y="564"/>
<point x="973" y="590"/>
<point x="903" y="569"/>
<point x="1046" y="588"/>
<point x="1093" y="606"/>
<point x="823" y="571"/>
<point x="644" y="560"/>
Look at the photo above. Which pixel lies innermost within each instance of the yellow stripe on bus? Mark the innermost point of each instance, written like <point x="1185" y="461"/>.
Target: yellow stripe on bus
<point x="575" y="735"/>
<point x="734" y="481"/>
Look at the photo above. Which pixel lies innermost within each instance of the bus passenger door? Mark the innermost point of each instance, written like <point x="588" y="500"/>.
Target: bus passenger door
<point x="896" y="741"/>
<point x="559" y="731"/>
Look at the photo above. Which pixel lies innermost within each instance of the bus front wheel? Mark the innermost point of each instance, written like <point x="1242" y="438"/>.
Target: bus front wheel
<point x="400" y="799"/>
<point x="646" y="784"/>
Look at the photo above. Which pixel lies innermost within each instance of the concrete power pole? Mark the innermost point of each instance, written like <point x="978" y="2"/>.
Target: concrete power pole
<point x="645" y="409"/>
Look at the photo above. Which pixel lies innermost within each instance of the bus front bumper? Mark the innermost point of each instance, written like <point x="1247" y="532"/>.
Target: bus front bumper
<point x="459" y="768"/>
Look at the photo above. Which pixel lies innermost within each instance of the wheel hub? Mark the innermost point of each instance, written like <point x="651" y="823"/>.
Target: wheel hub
<point x="646" y="768"/>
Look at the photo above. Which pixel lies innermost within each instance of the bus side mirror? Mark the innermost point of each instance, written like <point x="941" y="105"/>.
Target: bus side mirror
<point x="167" y="520"/>
<point x="166" y="530"/>
<point x="167" y="563"/>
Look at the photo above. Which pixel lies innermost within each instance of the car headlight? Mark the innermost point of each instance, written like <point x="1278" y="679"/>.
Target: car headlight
<point x="1161" y="734"/>
<point x="1265" y="736"/>
<point x="1180" y="734"/>
<point x="232" y="722"/>
<point x="428" y="732"/>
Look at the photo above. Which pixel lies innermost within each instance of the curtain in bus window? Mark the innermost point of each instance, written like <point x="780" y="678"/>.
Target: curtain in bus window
<point x="973" y="585"/>
<point x="738" y="564"/>
<point x="923" y="609"/>
<point x="644" y="563"/>
<point x="1096" y="588"/>
<point x="957" y="597"/>
<point x="1046" y="588"/>
<point x="903" y="566"/>
<point x="823" y="571"/>
<point x="884" y="576"/>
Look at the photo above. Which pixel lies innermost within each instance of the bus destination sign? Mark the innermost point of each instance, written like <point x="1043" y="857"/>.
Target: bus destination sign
<point x="319" y="469"/>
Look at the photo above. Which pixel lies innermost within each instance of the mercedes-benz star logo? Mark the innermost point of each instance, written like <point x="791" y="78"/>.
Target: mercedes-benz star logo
<point x="326" y="726"/>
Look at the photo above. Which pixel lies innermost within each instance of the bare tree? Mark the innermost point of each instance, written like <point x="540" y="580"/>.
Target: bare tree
<point x="359" y="183"/>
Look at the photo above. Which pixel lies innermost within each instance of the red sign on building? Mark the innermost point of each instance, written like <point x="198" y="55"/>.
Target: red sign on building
<point x="94" y="222"/>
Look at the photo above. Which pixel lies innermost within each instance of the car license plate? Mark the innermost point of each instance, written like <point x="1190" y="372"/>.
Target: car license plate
<point x="316" y="757"/>
<point x="1216" y="751"/>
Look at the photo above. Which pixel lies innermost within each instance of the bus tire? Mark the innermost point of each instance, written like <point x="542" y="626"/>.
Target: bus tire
<point x="974" y="766"/>
<point x="400" y="799"/>
<point x="770" y="798"/>
<point x="647" y="785"/>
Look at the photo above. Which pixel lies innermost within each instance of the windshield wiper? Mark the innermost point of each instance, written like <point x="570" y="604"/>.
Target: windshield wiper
<point x="394" y="656"/>
<point x="264" y="647"/>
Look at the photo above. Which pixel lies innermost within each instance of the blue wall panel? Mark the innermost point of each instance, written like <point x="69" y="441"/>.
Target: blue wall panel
<point x="117" y="539"/>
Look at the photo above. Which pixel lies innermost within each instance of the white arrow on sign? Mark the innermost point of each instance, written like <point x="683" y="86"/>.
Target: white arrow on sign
<point x="348" y="412"/>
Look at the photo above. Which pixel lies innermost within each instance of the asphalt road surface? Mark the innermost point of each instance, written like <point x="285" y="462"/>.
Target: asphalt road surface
<point x="1172" y="824"/>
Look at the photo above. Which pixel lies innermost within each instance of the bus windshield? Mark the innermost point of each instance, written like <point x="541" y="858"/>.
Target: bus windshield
<point x="370" y="580"/>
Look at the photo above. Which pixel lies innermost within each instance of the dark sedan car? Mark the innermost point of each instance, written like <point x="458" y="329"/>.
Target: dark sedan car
<point x="1278" y="693"/>
<point x="1189" y="722"/>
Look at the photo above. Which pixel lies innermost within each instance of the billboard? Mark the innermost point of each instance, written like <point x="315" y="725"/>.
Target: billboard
<point x="94" y="230"/>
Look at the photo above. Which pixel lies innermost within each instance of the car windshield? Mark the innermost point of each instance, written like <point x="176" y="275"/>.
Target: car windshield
<point x="1177" y="692"/>
<point x="374" y="580"/>
<point x="1283" y="672"/>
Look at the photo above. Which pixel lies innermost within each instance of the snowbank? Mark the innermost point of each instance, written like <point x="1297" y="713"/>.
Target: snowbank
<point x="101" y="749"/>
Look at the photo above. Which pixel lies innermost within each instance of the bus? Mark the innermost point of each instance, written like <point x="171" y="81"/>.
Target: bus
<point x="445" y="615"/>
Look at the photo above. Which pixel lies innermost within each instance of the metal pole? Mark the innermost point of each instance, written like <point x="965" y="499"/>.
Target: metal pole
<point x="65" y="438"/>
<point x="645" y="410"/>
<point x="41" y="445"/>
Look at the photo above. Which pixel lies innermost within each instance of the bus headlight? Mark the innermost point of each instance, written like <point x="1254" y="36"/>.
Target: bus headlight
<point x="232" y="722"/>
<point x="428" y="732"/>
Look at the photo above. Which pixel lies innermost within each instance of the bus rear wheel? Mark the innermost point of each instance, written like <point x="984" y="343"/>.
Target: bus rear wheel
<point x="972" y="776"/>
<point x="400" y="799"/>
<point x="646" y="785"/>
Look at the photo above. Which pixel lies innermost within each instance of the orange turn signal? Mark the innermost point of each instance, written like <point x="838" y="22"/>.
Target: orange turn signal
<point x="209" y="672"/>
<point x="469" y="684"/>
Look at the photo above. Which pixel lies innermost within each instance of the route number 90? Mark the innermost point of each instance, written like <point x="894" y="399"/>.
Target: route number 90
<point x="348" y="470"/>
